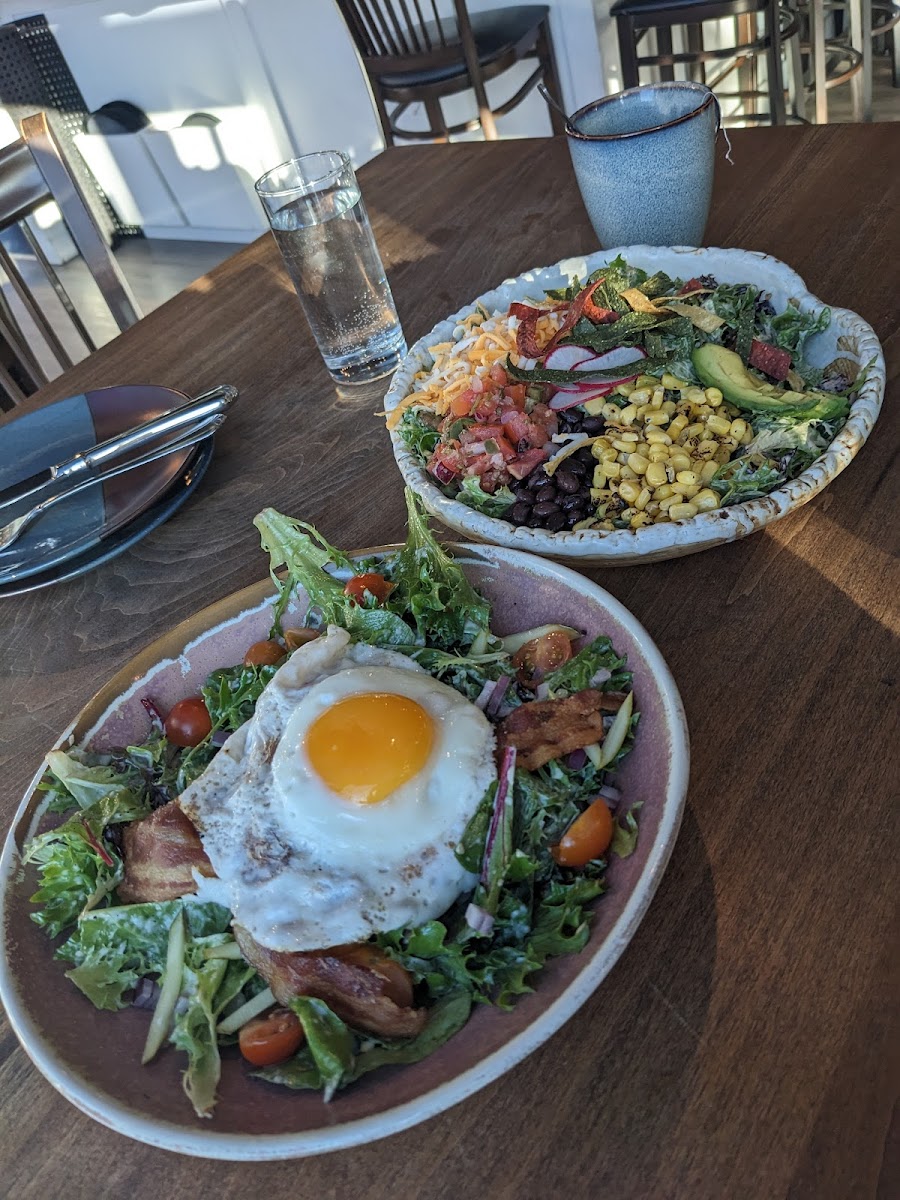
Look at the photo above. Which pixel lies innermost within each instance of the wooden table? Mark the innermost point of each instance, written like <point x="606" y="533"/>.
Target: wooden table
<point x="747" y="1043"/>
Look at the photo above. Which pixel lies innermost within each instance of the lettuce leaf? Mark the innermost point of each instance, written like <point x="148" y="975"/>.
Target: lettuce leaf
<point x="418" y="430"/>
<point x="492" y="505"/>
<point x="77" y="867"/>
<point x="579" y="672"/>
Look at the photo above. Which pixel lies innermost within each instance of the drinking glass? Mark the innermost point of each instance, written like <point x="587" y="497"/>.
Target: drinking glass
<point x="317" y="215"/>
<point x="644" y="163"/>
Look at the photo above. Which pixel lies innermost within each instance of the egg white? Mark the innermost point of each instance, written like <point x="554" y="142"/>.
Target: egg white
<point x="305" y="868"/>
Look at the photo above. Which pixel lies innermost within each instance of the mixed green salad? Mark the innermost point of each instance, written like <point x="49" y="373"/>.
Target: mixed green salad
<point x="539" y="843"/>
<point x="625" y="400"/>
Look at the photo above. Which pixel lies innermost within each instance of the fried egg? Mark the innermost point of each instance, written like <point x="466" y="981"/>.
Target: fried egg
<point x="335" y="811"/>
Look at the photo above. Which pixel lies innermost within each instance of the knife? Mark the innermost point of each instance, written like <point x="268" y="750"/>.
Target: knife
<point x="52" y="481"/>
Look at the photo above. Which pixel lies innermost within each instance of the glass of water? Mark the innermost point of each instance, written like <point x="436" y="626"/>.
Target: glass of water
<point x="319" y="220"/>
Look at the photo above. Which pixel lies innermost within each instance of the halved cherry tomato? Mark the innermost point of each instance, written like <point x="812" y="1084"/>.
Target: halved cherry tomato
<point x="587" y="837"/>
<point x="398" y="983"/>
<point x="188" y="722"/>
<point x="299" y="637"/>
<point x="535" y="659"/>
<point x="264" y="654"/>
<point x="376" y="585"/>
<point x="271" y="1038"/>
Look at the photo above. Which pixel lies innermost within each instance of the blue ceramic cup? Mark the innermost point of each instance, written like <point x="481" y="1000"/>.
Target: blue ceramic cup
<point x="644" y="163"/>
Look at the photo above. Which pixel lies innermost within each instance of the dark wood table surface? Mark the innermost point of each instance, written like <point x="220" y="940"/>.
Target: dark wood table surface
<point x="747" y="1044"/>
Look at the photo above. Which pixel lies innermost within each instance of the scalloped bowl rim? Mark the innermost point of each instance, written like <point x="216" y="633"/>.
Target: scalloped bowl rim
<point x="669" y="539"/>
<point x="255" y="1147"/>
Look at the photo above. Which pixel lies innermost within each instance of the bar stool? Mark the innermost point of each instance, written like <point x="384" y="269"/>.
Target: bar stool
<point x="634" y="18"/>
<point x="856" y="48"/>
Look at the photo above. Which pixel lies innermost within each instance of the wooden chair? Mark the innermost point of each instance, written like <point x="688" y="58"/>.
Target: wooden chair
<point x="634" y="18"/>
<point x="409" y="60"/>
<point x="33" y="171"/>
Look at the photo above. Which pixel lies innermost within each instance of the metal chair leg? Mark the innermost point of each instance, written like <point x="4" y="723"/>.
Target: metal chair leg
<point x="817" y="40"/>
<point x="664" y="46"/>
<point x="695" y="46"/>
<point x="627" y="51"/>
<point x="773" y="65"/>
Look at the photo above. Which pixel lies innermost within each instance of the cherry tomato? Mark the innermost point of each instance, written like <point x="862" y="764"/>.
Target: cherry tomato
<point x="264" y="654"/>
<point x="271" y="1038"/>
<point x="188" y="722"/>
<point x="587" y="837"/>
<point x="398" y="984"/>
<point x="536" y="658"/>
<point x="299" y="637"/>
<point x="377" y="585"/>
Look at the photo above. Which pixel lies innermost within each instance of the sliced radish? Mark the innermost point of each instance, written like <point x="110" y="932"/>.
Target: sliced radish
<point x="567" y="358"/>
<point x="563" y="400"/>
<point x="621" y="356"/>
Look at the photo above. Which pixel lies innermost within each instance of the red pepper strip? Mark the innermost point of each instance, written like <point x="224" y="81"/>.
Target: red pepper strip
<point x="692" y="285"/>
<point x="526" y="336"/>
<point x="107" y="858"/>
<point x="593" y="312"/>
<point x="574" y="315"/>
<point x="770" y="359"/>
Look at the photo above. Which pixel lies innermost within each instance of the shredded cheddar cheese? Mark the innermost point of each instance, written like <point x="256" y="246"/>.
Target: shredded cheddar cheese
<point x="480" y="342"/>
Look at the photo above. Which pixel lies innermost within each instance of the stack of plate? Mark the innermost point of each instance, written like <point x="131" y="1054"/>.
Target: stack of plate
<point x="98" y="522"/>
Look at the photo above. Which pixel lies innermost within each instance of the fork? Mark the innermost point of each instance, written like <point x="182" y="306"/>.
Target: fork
<point x="12" y="531"/>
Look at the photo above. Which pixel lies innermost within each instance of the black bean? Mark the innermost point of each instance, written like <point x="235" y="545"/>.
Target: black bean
<point x="521" y="492"/>
<point x="572" y="503"/>
<point x="576" y="468"/>
<point x="593" y="425"/>
<point x="545" y="508"/>
<point x="584" y="491"/>
<point x="547" y="492"/>
<point x="567" y="482"/>
<point x="537" y="478"/>
<point x="534" y="522"/>
<point x="555" y="522"/>
<point x="519" y="513"/>
<point x="585" y="455"/>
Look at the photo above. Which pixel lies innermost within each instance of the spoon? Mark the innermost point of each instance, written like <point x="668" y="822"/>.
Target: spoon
<point x="553" y="102"/>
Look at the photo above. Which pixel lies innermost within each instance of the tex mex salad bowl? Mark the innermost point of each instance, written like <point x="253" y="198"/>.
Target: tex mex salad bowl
<point x="635" y="405"/>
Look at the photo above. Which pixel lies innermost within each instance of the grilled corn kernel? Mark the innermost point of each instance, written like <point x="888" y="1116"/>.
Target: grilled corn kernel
<point x="708" y="446"/>
<point x="696" y="395"/>
<point x="672" y="382"/>
<point x="643" y="499"/>
<point x="625" y="389"/>
<point x="656" y="436"/>
<point x="639" y="519"/>
<point x="705" y="500"/>
<point x="638" y="463"/>
<point x="611" y="411"/>
<point x="599" y="477"/>
<point x="708" y="470"/>
<point x="658" y="453"/>
<point x="668" y="407"/>
<point x="657" y="417"/>
<point x="729" y="442"/>
<point x="655" y="474"/>
<point x="652" y="508"/>
<point x="627" y="473"/>
<point x="629" y="412"/>
<point x="747" y="437"/>
<point x="695" y="429"/>
<point x="714" y="396"/>
<point x="612" y="469"/>
<point x="647" y="381"/>
<point x="610" y="454"/>
<point x="677" y="425"/>
<point x="622" y="446"/>
<point x="679" y="512"/>
<point x="659" y="395"/>
<point x="598" y="494"/>
<point x="722" y="456"/>
<point x="663" y="491"/>
<point x="719" y="425"/>
<point x="690" y="477"/>
<point x="666" y="503"/>
<point x="679" y="461"/>
<point x="640" y="395"/>
<point x="629" y="490"/>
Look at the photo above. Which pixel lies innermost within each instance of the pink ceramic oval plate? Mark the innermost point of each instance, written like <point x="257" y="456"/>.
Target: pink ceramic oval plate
<point x="92" y="1057"/>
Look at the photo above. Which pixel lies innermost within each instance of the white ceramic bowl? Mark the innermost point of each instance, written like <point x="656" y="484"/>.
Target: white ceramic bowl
<point x="653" y="543"/>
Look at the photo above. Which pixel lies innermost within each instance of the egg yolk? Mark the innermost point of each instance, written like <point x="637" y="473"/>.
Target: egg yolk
<point x="366" y="746"/>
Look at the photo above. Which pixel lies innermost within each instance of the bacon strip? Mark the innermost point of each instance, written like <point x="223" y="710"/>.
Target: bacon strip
<point x="526" y="335"/>
<point x="356" y="993"/>
<point x="575" y="312"/>
<point x="160" y="852"/>
<point x="542" y="730"/>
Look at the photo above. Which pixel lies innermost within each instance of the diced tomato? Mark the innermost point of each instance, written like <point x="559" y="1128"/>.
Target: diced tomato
<point x="692" y="285"/>
<point x="525" y="463"/>
<point x="486" y="409"/>
<point x="498" y="375"/>
<point x="446" y="463"/>
<point x="461" y="405"/>
<point x="521" y="428"/>
<point x="516" y="393"/>
<point x="492" y="478"/>
<point x="478" y="465"/>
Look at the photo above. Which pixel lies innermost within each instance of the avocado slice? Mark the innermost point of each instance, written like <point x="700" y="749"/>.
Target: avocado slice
<point x="724" y="369"/>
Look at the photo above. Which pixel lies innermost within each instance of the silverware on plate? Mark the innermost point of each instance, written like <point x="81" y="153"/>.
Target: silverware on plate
<point x="89" y="466"/>
<point x="192" y="423"/>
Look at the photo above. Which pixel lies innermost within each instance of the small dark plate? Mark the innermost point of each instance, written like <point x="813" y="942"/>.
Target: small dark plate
<point x="114" y="544"/>
<point x="73" y="527"/>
